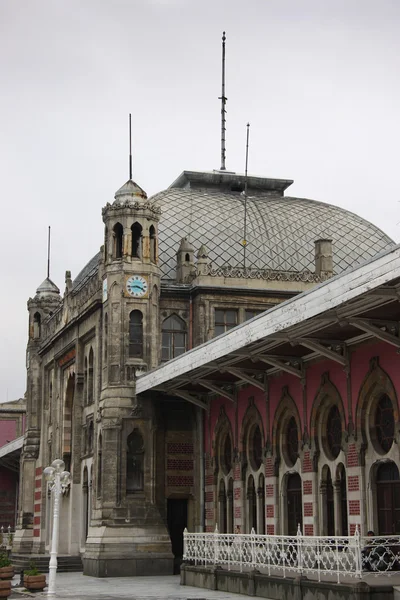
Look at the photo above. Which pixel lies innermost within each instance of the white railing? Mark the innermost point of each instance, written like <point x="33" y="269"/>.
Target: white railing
<point x="282" y="555"/>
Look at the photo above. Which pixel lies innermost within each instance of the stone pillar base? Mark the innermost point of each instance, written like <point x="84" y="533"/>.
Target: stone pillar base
<point x="23" y="541"/>
<point x="127" y="552"/>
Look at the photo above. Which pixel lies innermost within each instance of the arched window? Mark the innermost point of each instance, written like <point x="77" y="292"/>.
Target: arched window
<point x="153" y="244"/>
<point x="90" y="377"/>
<point x="85" y="382"/>
<point x="334" y="431"/>
<point x="341" y="479"/>
<point x="136" y="230"/>
<point x="230" y="505"/>
<point x="187" y="257"/>
<point x="261" y="505"/>
<point x="173" y="338"/>
<point x="226" y="454"/>
<point x="134" y="463"/>
<point x="294" y="504"/>
<point x="90" y="438"/>
<point x="256" y="448"/>
<point x="99" y="465"/>
<point x="384" y="423"/>
<point x="85" y="505"/>
<point x="68" y="430"/>
<point x="135" y="333"/>
<point x="105" y="335"/>
<point x="36" y="325"/>
<point x="388" y="493"/>
<point x="118" y="231"/>
<point x="251" y="505"/>
<point x="292" y="442"/>
<point x="222" y="508"/>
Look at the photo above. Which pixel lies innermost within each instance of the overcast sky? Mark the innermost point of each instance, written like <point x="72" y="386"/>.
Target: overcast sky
<point x="317" y="79"/>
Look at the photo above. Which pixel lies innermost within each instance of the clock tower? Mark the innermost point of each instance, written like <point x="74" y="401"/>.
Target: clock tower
<point x="131" y="285"/>
<point x="125" y="516"/>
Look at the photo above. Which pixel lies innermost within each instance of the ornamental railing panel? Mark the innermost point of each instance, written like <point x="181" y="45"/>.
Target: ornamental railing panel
<point x="320" y="556"/>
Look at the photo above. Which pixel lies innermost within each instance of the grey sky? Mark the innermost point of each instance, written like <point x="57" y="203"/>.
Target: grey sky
<point x="317" y="79"/>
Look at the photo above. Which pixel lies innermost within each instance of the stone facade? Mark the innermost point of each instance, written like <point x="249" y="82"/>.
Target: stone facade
<point x="137" y="464"/>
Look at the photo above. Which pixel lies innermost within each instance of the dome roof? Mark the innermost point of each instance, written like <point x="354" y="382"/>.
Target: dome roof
<point x="48" y="289"/>
<point x="129" y="191"/>
<point x="209" y="209"/>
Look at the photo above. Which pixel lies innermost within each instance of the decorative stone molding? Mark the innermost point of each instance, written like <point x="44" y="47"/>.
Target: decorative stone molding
<point x="265" y="274"/>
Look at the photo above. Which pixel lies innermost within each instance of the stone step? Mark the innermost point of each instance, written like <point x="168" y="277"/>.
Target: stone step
<point x="65" y="564"/>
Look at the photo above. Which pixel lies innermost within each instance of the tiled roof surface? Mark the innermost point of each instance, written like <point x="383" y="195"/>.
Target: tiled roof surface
<point x="280" y="230"/>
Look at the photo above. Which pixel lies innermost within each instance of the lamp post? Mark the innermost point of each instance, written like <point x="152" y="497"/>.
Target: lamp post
<point x="58" y="480"/>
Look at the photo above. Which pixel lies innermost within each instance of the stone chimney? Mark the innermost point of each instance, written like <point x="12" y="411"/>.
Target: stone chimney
<point x="202" y="260"/>
<point x="323" y="258"/>
<point x="184" y="261"/>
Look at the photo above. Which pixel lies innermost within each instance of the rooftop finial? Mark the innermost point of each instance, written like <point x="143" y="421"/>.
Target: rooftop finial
<point x="245" y="197"/>
<point x="48" y="254"/>
<point x="130" y="147"/>
<point x="223" y="99"/>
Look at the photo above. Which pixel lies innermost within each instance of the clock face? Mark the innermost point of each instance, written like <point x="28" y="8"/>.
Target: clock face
<point x="136" y="286"/>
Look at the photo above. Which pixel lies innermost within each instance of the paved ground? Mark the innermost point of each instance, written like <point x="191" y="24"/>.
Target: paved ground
<point x="81" y="587"/>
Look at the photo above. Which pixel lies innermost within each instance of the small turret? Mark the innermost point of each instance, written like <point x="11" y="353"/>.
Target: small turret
<point x="184" y="261"/>
<point x="202" y="260"/>
<point x="47" y="299"/>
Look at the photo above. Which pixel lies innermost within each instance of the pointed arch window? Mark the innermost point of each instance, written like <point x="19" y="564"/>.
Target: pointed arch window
<point x="118" y="232"/>
<point x="173" y="338"/>
<point x="90" y="437"/>
<point x="135" y="333"/>
<point x="90" y="377"/>
<point x="256" y="448"/>
<point x="85" y="381"/>
<point x="334" y="431"/>
<point x="153" y="244"/>
<point x="384" y="423"/>
<point x="292" y="442"/>
<point x="134" y="463"/>
<point x="105" y="335"/>
<point x="37" y="323"/>
<point x="136" y="230"/>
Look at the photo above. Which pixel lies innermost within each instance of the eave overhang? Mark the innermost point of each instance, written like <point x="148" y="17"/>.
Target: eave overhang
<point x="10" y="454"/>
<point x="320" y="324"/>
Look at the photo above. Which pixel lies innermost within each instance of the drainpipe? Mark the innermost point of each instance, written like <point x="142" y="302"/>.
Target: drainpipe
<point x="190" y="324"/>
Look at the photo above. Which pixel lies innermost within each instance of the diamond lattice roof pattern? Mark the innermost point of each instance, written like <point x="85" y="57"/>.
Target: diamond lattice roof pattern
<point x="280" y="230"/>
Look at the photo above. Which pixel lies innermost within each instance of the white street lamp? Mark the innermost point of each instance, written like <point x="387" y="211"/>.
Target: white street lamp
<point x="58" y="481"/>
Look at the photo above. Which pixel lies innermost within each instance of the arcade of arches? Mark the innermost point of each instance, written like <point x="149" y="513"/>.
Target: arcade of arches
<point x="274" y="476"/>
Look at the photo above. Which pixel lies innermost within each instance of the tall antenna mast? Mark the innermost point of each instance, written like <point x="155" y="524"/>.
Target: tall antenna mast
<point x="48" y="254"/>
<point x="245" y="198"/>
<point x="223" y="99"/>
<point x="130" y="147"/>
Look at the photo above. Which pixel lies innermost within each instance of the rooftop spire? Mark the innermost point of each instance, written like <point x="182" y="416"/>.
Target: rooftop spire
<point x="48" y="254"/>
<point x="130" y="148"/>
<point x="245" y="197"/>
<point x="223" y="99"/>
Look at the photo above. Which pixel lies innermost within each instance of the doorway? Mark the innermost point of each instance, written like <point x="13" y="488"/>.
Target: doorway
<point x="330" y="505"/>
<point x="294" y="504"/>
<point x="388" y="499"/>
<point x="177" y="510"/>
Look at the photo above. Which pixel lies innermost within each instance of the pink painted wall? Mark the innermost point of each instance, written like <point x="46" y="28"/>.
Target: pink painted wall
<point x="389" y="361"/>
<point x="8" y="428"/>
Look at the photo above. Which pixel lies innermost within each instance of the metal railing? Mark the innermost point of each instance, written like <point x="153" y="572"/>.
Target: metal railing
<point x="6" y="538"/>
<point x="283" y="555"/>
